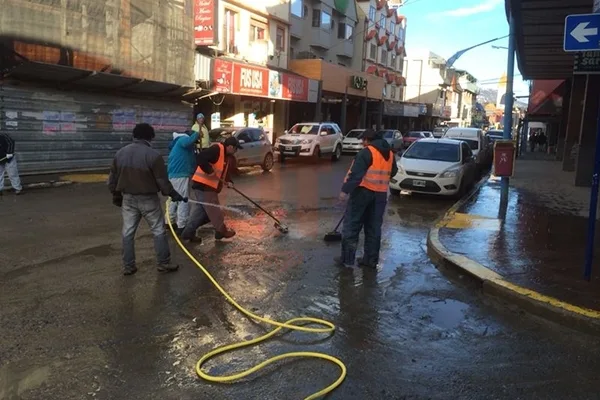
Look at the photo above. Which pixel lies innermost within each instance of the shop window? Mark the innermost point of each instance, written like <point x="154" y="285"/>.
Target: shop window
<point x="257" y="31"/>
<point x="230" y="27"/>
<point x="280" y="39"/>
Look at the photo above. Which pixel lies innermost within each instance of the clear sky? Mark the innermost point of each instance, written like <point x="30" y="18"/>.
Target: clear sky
<point x="447" y="26"/>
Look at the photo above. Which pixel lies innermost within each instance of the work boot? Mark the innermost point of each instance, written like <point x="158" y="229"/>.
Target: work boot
<point x="169" y="229"/>
<point x="340" y="263"/>
<point x="226" y="234"/>
<point x="168" y="267"/>
<point x="19" y="192"/>
<point x="193" y="240"/>
<point x="362" y="262"/>
<point x="129" y="271"/>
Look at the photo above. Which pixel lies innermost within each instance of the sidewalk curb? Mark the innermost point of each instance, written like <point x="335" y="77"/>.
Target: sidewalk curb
<point x="494" y="285"/>
<point x="42" y="185"/>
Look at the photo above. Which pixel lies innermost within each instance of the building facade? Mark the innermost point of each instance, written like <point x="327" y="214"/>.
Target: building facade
<point x="327" y="46"/>
<point x="384" y="53"/>
<point x="76" y="76"/>
<point x="242" y="65"/>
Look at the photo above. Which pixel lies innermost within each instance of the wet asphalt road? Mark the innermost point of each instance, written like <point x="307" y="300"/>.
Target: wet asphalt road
<point x="72" y="327"/>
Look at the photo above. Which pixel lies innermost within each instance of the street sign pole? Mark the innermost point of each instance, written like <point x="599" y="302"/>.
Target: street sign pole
<point x="582" y="33"/>
<point x="508" y="108"/>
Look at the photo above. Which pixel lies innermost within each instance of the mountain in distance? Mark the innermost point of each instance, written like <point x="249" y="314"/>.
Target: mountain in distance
<point x="487" y="95"/>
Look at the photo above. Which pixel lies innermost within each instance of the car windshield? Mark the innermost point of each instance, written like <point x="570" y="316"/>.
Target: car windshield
<point x="433" y="151"/>
<point x="220" y="133"/>
<point x="473" y="144"/>
<point x="304" y="129"/>
<point x="414" y="134"/>
<point x="357" y="134"/>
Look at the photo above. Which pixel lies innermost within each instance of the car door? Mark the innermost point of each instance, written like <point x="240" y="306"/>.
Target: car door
<point x="246" y="153"/>
<point x="398" y="141"/>
<point x="328" y="140"/>
<point x="261" y="145"/>
<point x="469" y="165"/>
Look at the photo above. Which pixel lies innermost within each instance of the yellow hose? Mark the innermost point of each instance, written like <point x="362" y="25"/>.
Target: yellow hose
<point x="290" y="324"/>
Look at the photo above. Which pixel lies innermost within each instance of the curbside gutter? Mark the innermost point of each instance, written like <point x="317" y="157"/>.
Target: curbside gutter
<point x="494" y="284"/>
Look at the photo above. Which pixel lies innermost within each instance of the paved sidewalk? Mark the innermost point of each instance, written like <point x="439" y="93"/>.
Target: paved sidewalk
<point x="541" y="243"/>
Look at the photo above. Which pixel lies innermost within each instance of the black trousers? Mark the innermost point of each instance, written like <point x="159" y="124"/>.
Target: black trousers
<point x="365" y="209"/>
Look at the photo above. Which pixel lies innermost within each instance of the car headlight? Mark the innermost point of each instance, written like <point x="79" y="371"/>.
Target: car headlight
<point x="400" y="169"/>
<point x="307" y="141"/>
<point x="451" y="173"/>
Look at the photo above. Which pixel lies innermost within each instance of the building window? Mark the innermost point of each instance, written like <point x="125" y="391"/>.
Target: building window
<point x="392" y="27"/>
<point x="384" y="57"/>
<point x="280" y="39"/>
<point x="373" y="52"/>
<point x="316" y="18"/>
<point x="345" y="32"/>
<point x="382" y="20"/>
<point x="372" y="13"/>
<point x="393" y="92"/>
<point x="257" y="31"/>
<point x="326" y="21"/>
<point x="230" y="27"/>
<point x="298" y="8"/>
<point x="401" y="34"/>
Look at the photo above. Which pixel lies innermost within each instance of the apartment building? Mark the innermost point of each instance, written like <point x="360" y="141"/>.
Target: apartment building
<point x="469" y="91"/>
<point x="327" y="44"/>
<point x="242" y="65"/>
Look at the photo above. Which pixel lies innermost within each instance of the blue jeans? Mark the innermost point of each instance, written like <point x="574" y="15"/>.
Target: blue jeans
<point x="133" y="209"/>
<point x="365" y="209"/>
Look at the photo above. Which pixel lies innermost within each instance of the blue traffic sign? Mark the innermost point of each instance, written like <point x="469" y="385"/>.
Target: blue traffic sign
<point x="582" y="32"/>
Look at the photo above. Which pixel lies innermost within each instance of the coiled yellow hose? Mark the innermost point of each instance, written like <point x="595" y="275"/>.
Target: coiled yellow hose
<point x="328" y="327"/>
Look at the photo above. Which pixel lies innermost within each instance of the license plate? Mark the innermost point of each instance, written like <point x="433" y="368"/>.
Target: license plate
<point x="289" y="148"/>
<point x="418" y="183"/>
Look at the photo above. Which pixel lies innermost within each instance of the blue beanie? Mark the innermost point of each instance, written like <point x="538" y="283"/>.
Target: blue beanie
<point x="200" y="115"/>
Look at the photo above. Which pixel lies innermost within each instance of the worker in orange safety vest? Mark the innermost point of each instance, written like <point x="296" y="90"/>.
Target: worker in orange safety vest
<point x="207" y="182"/>
<point x="366" y="189"/>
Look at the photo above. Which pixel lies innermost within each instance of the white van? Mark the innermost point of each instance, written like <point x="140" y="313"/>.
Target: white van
<point x="477" y="141"/>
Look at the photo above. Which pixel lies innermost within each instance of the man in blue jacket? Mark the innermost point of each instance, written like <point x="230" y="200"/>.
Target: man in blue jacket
<point x="181" y="166"/>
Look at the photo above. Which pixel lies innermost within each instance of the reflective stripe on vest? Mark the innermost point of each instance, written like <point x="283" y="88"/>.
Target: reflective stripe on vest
<point x="377" y="177"/>
<point x="219" y="167"/>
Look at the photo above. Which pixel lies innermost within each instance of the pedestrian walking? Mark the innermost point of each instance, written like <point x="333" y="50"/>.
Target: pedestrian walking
<point x="181" y="166"/>
<point x="137" y="174"/>
<point x="8" y="163"/>
<point x="207" y="182"/>
<point x="366" y="189"/>
<point x="201" y="128"/>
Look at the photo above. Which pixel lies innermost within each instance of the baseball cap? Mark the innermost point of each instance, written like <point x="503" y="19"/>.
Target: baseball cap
<point x="200" y="115"/>
<point x="232" y="141"/>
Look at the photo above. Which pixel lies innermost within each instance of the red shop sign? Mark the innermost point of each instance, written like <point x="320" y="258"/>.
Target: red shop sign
<point x="223" y="76"/>
<point x="204" y="22"/>
<point x="295" y="87"/>
<point x="504" y="158"/>
<point x="250" y="81"/>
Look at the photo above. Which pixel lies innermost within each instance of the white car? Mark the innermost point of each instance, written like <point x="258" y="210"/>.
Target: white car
<point x="310" y="139"/>
<point x="352" y="142"/>
<point x="436" y="166"/>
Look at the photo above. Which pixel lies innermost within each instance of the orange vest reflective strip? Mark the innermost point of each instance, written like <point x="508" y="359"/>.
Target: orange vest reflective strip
<point x="377" y="177"/>
<point x="219" y="167"/>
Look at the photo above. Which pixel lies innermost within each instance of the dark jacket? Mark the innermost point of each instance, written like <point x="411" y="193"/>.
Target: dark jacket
<point x="139" y="169"/>
<point x="205" y="160"/>
<point x="7" y="146"/>
<point x="363" y="161"/>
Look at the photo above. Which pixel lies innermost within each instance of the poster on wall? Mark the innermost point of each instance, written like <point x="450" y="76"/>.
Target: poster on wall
<point x="205" y="22"/>
<point x="223" y="76"/>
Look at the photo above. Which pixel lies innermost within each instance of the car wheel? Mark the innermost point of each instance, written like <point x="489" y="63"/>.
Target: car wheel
<point x="317" y="152"/>
<point x="395" y="192"/>
<point x="267" y="164"/>
<point x="337" y="153"/>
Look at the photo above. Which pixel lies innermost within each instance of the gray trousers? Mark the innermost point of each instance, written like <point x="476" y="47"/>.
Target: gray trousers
<point x="201" y="214"/>
<point x="180" y="211"/>
<point x="13" y="174"/>
<point x="134" y="208"/>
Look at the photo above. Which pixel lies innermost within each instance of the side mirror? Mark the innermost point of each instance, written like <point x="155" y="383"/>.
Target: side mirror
<point x="241" y="141"/>
<point x="286" y="132"/>
<point x="323" y="133"/>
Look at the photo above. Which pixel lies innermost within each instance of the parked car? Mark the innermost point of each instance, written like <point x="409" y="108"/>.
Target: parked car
<point x="439" y="131"/>
<point x="412" y="137"/>
<point x="477" y="141"/>
<point x="310" y="139"/>
<point x="394" y="138"/>
<point x="352" y="142"/>
<point x="436" y="166"/>
<point x="257" y="149"/>
<point x="494" y="135"/>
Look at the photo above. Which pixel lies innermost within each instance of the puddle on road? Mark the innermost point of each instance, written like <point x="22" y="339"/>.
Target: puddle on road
<point x="448" y="314"/>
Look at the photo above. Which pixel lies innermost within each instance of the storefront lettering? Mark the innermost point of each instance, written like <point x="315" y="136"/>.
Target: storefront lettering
<point x="296" y="86"/>
<point x="251" y="78"/>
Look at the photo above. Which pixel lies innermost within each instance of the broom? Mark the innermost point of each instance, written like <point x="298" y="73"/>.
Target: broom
<point x="334" y="235"/>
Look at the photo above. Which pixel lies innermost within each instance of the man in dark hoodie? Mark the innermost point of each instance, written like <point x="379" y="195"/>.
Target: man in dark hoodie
<point x="366" y="186"/>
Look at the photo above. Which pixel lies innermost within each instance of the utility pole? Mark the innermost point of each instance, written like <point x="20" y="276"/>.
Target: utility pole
<point x="508" y="107"/>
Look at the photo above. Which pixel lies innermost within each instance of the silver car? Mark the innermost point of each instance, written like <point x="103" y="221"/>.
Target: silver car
<point x="394" y="138"/>
<point x="257" y="149"/>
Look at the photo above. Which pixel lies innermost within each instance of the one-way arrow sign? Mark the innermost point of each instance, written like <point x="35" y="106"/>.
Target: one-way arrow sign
<point x="582" y="32"/>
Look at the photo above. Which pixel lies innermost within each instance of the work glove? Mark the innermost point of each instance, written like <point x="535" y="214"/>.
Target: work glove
<point x="176" y="197"/>
<point x="117" y="199"/>
<point x="9" y="156"/>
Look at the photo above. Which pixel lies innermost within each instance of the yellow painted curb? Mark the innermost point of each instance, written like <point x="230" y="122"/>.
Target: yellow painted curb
<point x="471" y="221"/>
<point x="85" y="178"/>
